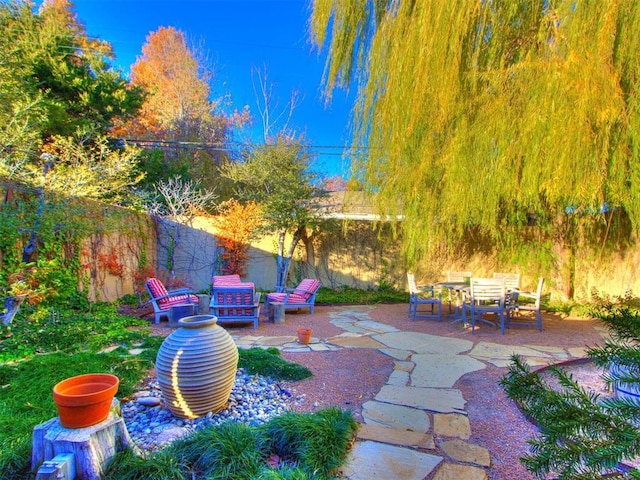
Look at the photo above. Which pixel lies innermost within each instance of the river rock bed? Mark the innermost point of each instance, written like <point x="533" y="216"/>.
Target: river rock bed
<point x="253" y="400"/>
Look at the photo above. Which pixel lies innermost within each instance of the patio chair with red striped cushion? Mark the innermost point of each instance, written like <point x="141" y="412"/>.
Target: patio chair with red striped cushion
<point x="236" y="304"/>
<point x="225" y="280"/>
<point x="303" y="296"/>
<point x="162" y="300"/>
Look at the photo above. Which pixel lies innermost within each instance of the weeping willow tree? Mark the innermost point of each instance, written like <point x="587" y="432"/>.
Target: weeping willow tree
<point x="490" y="113"/>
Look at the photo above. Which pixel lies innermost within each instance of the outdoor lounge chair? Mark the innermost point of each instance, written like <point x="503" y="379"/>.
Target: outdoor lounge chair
<point x="235" y="304"/>
<point x="303" y="296"/>
<point x="232" y="280"/>
<point x="162" y="300"/>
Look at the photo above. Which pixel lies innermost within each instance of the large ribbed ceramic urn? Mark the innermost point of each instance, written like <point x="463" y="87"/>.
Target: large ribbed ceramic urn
<point x="196" y="367"/>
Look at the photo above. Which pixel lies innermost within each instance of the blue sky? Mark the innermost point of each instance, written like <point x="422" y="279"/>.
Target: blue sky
<point x="238" y="35"/>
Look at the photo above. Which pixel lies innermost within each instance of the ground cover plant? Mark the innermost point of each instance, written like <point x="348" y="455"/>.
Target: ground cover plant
<point x="269" y="363"/>
<point x="581" y="435"/>
<point x="349" y="295"/>
<point x="34" y="355"/>
<point x="291" y="446"/>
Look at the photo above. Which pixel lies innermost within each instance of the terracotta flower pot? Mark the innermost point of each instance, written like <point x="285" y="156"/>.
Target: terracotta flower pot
<point x="304" y="334"/>
<point x="85" y="400"/>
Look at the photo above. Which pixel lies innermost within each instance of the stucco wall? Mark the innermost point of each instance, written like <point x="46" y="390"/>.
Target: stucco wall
<point x="357" y="256"/>
<point x="354" y="255"/>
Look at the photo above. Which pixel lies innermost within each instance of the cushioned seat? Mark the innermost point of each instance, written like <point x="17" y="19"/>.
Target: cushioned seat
<point x="303" y="296"/>
<point x="162" y="300"/>
<point x="236" y="304"/>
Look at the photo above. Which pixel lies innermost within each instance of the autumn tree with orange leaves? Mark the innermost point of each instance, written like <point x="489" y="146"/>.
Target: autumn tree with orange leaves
<point x="237" y="225"/>
<point x="177" y="114"/>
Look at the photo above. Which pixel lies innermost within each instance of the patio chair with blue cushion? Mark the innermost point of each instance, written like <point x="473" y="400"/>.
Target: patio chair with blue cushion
<point x="303" y="296"/>
<point x="162" y="300"/>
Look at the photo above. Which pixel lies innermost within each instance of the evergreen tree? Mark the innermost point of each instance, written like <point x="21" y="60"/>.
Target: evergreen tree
<point x="59" y="99"/>
<point x="583" y="436"/>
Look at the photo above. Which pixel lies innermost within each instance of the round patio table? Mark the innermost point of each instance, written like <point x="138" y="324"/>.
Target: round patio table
<point x="456" y="289"/>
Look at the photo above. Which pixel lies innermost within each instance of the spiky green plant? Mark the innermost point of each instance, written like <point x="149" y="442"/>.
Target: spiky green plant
<point x="231" y="450"/>
<point x="309" y="446"/>
<point x="159" y="466"/>
<point x="318" y="443"/>
<point x="583" y="436"/>
<point x="282" y="473"/>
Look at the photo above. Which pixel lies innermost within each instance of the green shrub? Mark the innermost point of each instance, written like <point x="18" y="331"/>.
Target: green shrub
<point x="308" y="446"/>
<point x="162" y="465"/>
<point x="283" y="473"/>
<point x="348" y="295"/>
<point x="231" y="450"/>
<point x="269" y="363"/>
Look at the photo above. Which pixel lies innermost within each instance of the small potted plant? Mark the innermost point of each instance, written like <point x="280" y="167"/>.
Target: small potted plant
<point x="304" y="335"/>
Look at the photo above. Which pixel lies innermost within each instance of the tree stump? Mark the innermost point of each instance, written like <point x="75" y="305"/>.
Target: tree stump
<point x="203" y="304"/>
<point x="276" y="312"/>
<point x="180" y="311"/>
<point x="93" y="447"/>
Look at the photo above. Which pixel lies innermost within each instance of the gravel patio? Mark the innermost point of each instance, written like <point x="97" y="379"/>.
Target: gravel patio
<point x="351" y="376"/>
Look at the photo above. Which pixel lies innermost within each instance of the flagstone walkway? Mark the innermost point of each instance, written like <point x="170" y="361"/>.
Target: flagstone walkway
<point x="417" y="423"/>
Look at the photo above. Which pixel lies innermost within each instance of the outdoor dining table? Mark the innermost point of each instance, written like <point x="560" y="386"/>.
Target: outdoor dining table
<point x="456" y="288"/>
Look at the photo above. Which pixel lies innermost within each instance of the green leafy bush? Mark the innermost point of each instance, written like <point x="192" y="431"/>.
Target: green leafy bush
<point x="348" y="295"/>
<point x="317" y="443"/>
<point x="231" y="450"/>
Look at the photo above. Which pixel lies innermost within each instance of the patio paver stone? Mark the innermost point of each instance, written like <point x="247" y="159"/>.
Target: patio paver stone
<point x="395" y="416"/>
<point x="441" y="370"/>
<point x="417" y="402"/>
<point x="374" y="460"/>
